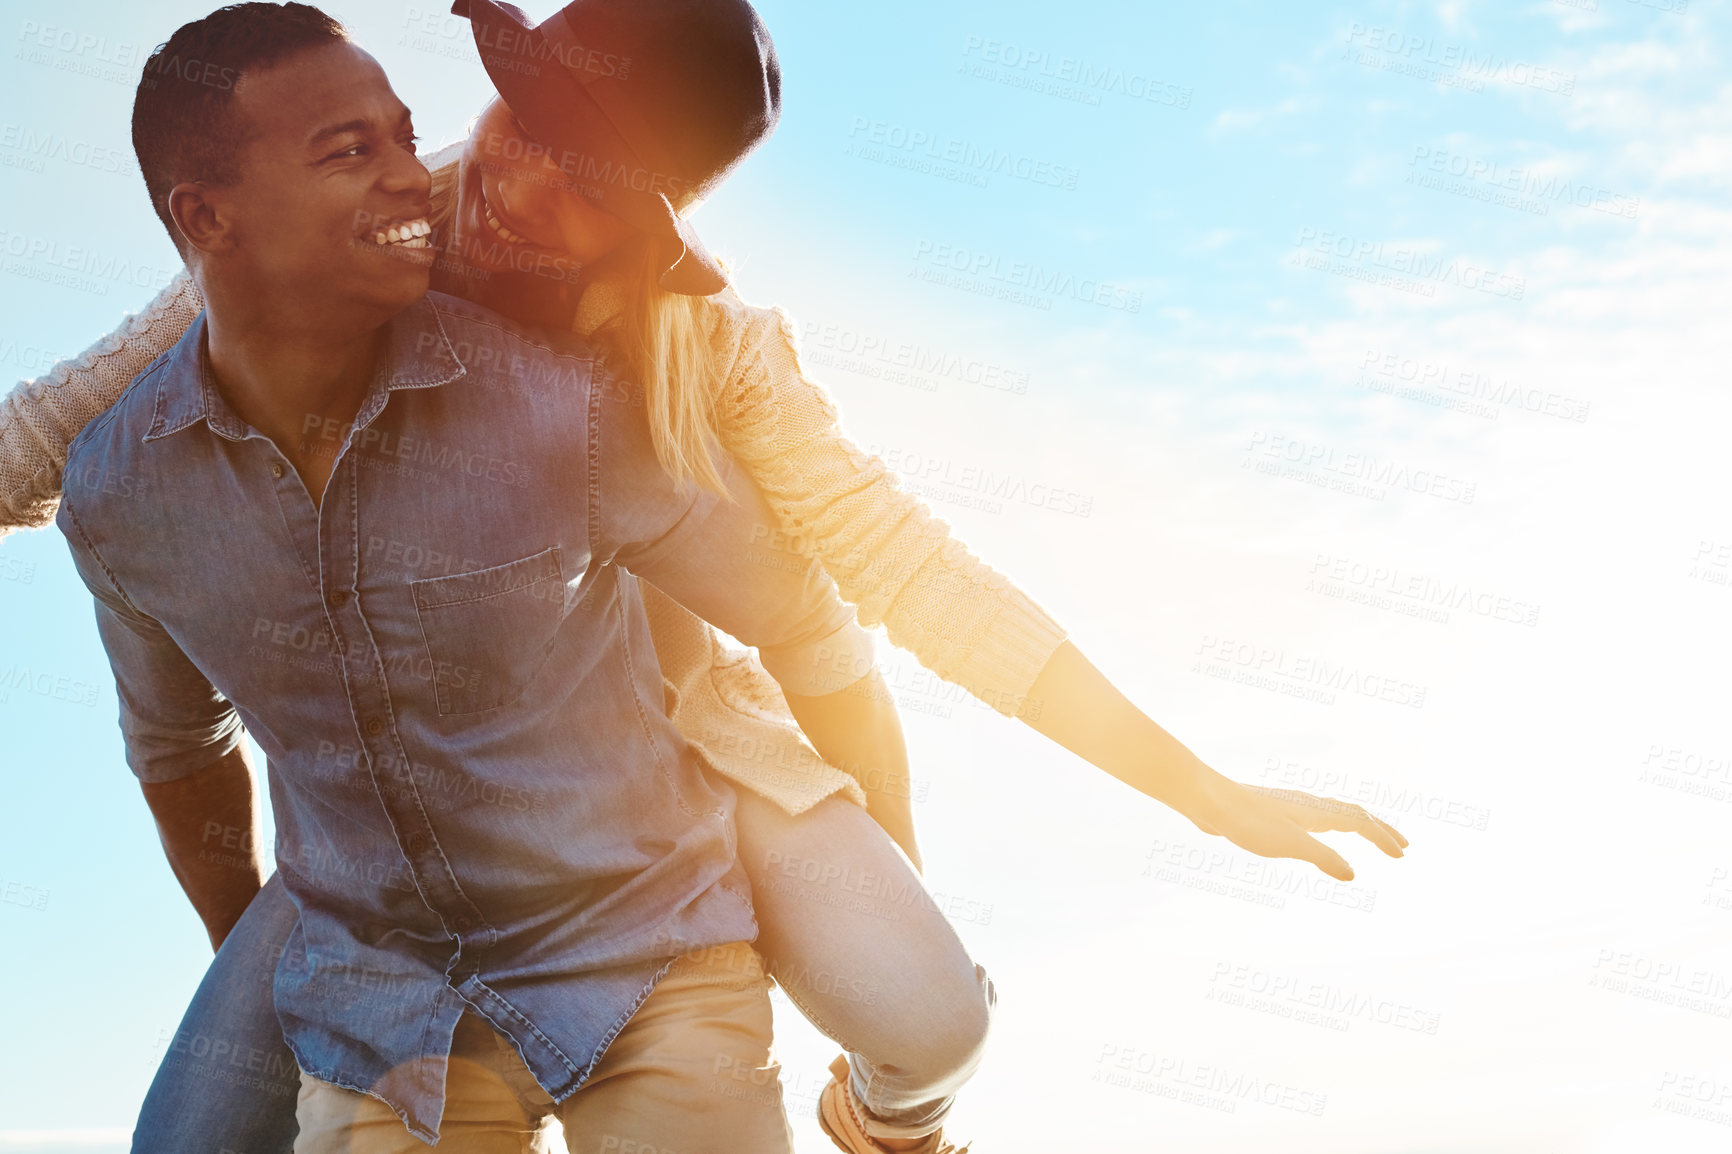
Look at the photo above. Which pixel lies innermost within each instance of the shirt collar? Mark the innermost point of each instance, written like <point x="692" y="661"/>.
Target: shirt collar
<point x="417" y="355"/>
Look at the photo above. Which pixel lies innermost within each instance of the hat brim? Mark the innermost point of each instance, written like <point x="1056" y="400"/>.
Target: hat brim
<point x="524" y="65"/>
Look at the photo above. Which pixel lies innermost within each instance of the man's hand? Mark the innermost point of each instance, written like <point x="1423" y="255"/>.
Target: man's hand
<point x="209" y="825"/>
<point x="1280" y="822"/>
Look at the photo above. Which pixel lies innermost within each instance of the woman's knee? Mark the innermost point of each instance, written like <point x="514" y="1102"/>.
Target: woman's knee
<point x="932" y="1034"/>
<point x="955" y="1039"/>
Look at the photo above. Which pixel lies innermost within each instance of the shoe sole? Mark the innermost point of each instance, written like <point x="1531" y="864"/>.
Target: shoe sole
<point x="826" y="1103"/>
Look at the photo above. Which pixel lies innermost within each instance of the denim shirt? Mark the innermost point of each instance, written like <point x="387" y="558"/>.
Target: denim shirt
<point x="479" y="798"/>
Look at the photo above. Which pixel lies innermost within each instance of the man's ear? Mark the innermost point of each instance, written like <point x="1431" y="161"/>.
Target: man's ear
<point x="199" y="212"/>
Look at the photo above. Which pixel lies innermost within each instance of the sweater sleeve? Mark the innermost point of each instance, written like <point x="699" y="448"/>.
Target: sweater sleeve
<point x="886" y="551"/>
<point x="39" y="418"/>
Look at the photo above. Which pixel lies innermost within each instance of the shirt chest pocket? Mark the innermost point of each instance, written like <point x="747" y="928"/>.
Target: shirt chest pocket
<point x="488" y="633"/>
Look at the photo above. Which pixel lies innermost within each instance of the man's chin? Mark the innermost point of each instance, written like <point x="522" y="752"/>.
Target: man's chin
<point x="399" y="297"/>
<point x="389" y="273"/>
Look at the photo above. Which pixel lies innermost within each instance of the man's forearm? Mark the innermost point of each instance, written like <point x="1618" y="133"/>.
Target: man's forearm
<point x="857" y="730"/>
<point x="209" y="822"/>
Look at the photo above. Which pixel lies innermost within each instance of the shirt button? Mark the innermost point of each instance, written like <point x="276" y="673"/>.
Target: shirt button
<point x="464" y="924"/>
<point x="337" y="600"/>
<point x="277" y="470"/>
<point x="375" y="727"/>
<point x="416" y="842"/>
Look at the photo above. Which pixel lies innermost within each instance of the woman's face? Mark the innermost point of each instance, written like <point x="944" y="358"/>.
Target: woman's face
<point x="517" y="210"/>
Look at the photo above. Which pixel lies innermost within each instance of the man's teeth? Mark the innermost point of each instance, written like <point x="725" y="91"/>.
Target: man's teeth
<point x="493" y="223"/>
<point x="409" y="234"/>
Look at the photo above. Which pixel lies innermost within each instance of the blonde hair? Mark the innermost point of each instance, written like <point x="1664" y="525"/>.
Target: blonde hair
<point x="661" y="339"/>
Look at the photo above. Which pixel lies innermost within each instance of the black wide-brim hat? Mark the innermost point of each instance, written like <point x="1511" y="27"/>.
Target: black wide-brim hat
<point x="641" y="103"/>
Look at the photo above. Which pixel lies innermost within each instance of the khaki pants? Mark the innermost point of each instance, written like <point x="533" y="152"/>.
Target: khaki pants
<point x="691" y="1073"/>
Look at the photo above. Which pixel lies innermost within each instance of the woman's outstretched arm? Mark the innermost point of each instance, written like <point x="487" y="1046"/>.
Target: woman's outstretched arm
<point x="39" y="418"/>
<point x="900" y="565"/>
<point x="1075" y="705"/>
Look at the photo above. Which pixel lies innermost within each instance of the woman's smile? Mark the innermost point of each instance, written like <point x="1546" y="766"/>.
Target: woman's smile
<point x="498" y="219"/>
<point x="499" y="230"/>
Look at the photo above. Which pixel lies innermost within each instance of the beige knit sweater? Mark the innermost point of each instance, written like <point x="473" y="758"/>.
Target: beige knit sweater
<point x="888" y="554"/>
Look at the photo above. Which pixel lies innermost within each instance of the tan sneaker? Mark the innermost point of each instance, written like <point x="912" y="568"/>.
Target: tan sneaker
<point x="842" y="1117"/>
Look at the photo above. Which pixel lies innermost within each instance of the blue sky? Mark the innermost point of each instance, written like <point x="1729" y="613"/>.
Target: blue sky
<point x="1349" y="379"/>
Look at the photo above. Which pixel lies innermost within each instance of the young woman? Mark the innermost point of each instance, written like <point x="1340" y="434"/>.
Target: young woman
<point x="566" y="208"/>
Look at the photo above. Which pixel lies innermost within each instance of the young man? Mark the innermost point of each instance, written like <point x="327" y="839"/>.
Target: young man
<point x="532" y="939"/>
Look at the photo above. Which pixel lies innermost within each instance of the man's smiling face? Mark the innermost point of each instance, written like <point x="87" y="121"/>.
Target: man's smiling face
<point x="330" y="212"/>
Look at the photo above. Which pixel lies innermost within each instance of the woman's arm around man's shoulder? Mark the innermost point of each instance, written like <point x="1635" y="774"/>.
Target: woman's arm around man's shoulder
<point x="39" y="418"/>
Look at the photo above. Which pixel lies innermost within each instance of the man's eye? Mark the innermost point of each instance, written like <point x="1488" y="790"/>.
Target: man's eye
<point x="352" y="150"/>
<point x="409" y="141"/>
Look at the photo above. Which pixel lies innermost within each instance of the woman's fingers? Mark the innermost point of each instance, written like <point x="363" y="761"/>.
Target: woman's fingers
<point x="1279" y="823"/>
<point x="1354" y="819"/>
<point x="1327" y="860"/>
<point x="1318" y="814"/>
<point x="1293" y="842"/>
<point x="1401" y="841"/>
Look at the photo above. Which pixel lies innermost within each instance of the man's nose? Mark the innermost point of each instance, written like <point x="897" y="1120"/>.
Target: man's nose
<point x="407" y="174"/>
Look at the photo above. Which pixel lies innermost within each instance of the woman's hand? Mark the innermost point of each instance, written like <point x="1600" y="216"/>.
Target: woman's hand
<point x="1280" y="822"/>
<point x="1073" y="703"/>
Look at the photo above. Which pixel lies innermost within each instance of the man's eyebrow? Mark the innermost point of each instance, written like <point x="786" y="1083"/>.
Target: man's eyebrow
<point x="359" y="124"/>
<point x="324" y="134"/>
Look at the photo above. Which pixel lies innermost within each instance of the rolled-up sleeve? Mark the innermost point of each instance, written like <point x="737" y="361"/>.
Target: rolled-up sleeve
<point x="726" y="560"/>
<point x="173" y="720"/>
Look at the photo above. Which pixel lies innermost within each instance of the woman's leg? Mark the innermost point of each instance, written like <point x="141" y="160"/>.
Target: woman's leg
<point x="849" y="931"/>
<point x="228" y="1083"/>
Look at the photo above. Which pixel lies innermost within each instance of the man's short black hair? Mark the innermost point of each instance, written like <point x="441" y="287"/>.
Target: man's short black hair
<point x="184" y="125"/>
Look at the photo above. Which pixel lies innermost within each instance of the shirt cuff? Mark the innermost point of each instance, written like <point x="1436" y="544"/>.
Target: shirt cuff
<point x="155" y="759"/>
<point x="1002" y="668"/>
<point x="827" y="665"/>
